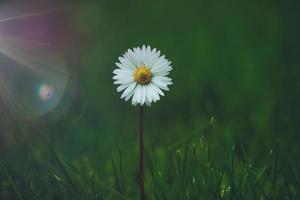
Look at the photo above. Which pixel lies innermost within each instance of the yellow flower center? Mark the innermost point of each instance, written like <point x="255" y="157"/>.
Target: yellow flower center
<point x="142" y="75"/>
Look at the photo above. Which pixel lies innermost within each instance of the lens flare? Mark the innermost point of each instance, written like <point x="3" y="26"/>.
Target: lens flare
<point x="34" y="77"/>
<point x="45" y="92"/>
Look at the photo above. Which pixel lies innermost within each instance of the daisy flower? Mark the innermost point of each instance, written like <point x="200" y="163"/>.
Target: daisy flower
<point x="142" y="75"/>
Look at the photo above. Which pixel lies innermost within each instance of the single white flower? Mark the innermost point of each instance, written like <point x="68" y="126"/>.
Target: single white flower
<point x="142" y="75"/>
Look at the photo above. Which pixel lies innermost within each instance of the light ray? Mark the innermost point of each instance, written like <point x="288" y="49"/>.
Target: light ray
<point x="29" y="55"/>
<point x="42" y="66"/>
<point x="27" y="15"/>
<point x="41" y="43"/>
<point x="16" y="109"/>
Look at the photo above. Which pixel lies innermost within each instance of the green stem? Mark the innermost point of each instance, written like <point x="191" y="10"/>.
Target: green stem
<point x="141" y="174"/>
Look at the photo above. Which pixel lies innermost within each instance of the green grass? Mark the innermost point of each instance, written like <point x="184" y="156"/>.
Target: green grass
<point x="190" y="169"/>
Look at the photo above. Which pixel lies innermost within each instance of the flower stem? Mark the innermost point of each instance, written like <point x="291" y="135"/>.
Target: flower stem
<point x="141" y="174"/>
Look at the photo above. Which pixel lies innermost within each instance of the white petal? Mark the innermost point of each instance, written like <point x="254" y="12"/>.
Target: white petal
<point x="158" y="90"/>
<point x="162" y="82"/>
<point x="124" y="81"/>
<point x="125" y="63"/>
<point x="153" y="93"/>
<point x="128" y="90"/>
<point x="123" y="71"/>
<point x="138" y="92"/>
<point x="148" y="94"/>
<point x="143" y="95"/>
<point x="122" y="87"/>
<point x="129" y="95"/>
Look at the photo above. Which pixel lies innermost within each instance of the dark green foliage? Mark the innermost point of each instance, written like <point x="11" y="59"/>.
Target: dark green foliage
<point x="188" y="170"/>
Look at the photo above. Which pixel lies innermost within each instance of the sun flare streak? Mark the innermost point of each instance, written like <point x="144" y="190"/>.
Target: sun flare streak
<point x="33" y="73"/>
<point x="28" y="15"/>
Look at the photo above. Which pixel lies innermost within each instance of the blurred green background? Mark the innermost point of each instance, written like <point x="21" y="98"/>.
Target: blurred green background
<point x="235" y="61"/>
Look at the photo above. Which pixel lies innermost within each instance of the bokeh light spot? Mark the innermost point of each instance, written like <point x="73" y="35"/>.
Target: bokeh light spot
<point x="45" y="92"/>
